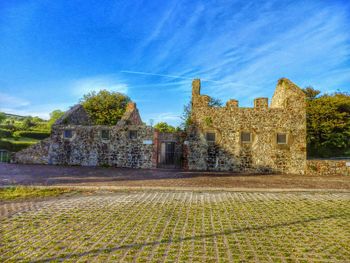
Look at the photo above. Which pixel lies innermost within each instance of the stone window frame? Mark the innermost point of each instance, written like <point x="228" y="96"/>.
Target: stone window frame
<point x="250" y="137"/>
<point x="105" y="138"/>
<point x="130" y="137"/>
<point x="68" y="138"/>
<point x="211" y="141"/>
<point x="282" y="143"/>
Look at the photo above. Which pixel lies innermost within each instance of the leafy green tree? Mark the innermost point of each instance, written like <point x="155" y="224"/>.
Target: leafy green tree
<point x="2" y="117"/>
<point x="54" y="116"/>
<point x="164" y="127"/>
<point x="27" y="123"/>
<point x="37" y="119"/>
<point x="105" y="107"/>
<point x="328" y="124"/>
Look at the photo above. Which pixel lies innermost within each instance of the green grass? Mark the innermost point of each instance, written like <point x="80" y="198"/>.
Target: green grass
<point x="15" y="145"/>
<point x="20" y="140"/>
<point x="24" y="192"/>
<point x="180" y="227"/>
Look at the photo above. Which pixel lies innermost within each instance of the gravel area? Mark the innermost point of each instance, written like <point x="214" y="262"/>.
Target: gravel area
<point x="119" y="177"/>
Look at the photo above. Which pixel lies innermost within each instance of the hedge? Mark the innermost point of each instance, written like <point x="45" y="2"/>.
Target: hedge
<point x="5" y="133"/>
<point x="14" y="147"/>
<point x="38" y="135"/>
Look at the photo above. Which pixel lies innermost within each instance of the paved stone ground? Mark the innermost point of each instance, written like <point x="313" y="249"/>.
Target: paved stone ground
<point x="166" y="226"/>
<point x="121" y="177"/>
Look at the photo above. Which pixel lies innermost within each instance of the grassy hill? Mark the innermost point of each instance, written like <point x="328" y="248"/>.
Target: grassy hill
<point x="18" y="132"/>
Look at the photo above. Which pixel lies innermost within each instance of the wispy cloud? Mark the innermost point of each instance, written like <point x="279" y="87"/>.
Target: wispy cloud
<point x="154" y="74"/>
<point x="246" y="51"/>
<point x="86" y="85"/>
<point x="7" y="100"/>
<point x="169" y="117"/>
<point x="239" y="49"/>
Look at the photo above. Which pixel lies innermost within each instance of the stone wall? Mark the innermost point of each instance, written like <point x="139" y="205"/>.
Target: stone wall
<point x="87" y="147"/>
<point x="75" y="140"/>
<point x="35" y="154"/>
<point x="328" y="167"/>
<point x="76" y="115"/>
<point x="286" y="115"/>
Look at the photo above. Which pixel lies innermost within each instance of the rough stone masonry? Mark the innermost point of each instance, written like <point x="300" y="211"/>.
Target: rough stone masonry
<point x="265" y="138"/>
<point x="259" y="139"/>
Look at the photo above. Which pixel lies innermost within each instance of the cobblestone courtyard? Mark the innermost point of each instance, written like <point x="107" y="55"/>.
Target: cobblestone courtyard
<point x="167" y="226"/>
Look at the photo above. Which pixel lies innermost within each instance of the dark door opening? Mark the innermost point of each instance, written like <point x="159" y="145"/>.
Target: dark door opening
<point x="167" y="154"/>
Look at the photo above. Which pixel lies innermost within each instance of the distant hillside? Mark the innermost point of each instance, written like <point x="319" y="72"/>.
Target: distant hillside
<point x="19" y="117"/>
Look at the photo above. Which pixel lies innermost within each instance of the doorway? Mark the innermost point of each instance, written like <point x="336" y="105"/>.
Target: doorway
<point x="167" y="154"/>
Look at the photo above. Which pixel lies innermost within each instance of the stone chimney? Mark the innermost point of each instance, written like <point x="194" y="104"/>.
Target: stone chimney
<point x="196" y="87"/>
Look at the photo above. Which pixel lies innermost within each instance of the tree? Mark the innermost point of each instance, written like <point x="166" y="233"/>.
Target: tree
<point x="105" y="107"/>
<point x="328" y="125"/>
<point x="311" y="93"/>
<point x="54" y="116"/>
<point x="2" y="117"/>
<point x="214" y="102"/>
<point x="186" y="116"/>
<point x="27" y="123"/>
<point x="164" y="127"/>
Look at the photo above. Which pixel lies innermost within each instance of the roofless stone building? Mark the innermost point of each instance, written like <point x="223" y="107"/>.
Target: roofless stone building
<point x="259" y="139"/>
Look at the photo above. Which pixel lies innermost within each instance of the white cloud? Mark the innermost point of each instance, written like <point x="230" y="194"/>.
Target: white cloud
<point x="42" y="115"/>
<point x="96" y="83"/>
<point x="168" y="117"/>
<point x="12" y="101"/>
<point x="40" y="110"/>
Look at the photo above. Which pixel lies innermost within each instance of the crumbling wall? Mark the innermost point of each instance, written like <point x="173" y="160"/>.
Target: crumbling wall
<point x="76" y="115"/>
<point x="87" y="147"/>
<point x="286" y="115"/>
<point x="35" y="154"/>
<point x="328" y="167"/>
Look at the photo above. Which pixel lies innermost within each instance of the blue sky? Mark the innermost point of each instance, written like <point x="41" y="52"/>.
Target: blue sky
<point x="53" y="52"/>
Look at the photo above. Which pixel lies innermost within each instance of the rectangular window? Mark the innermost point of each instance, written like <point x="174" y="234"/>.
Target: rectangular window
<point x="210" y="137"/>
<point x="281" y="138"/>
<point x="68" y="134"/>
<point x="105" y="134"/>
<point x="246" y="137"/>
<point x="132" y="135"/>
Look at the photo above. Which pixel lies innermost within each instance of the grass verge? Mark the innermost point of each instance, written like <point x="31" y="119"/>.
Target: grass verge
<point x="24" y="192"/>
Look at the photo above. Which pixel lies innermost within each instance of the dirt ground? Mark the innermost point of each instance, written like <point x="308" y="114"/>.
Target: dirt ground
<point x="120" y="177"/>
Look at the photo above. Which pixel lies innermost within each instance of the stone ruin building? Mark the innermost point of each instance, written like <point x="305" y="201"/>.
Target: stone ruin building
<point x="260" y="139"/>
<point x="265" y="138"/>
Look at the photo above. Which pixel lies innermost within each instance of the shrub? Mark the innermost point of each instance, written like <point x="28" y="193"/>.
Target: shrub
<point x="164" y="127"/>
<point x="38" y="135"/>
<point x="208" y="121"/>
<point x="14" y="146"/>
<point x="5" y="133"/>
